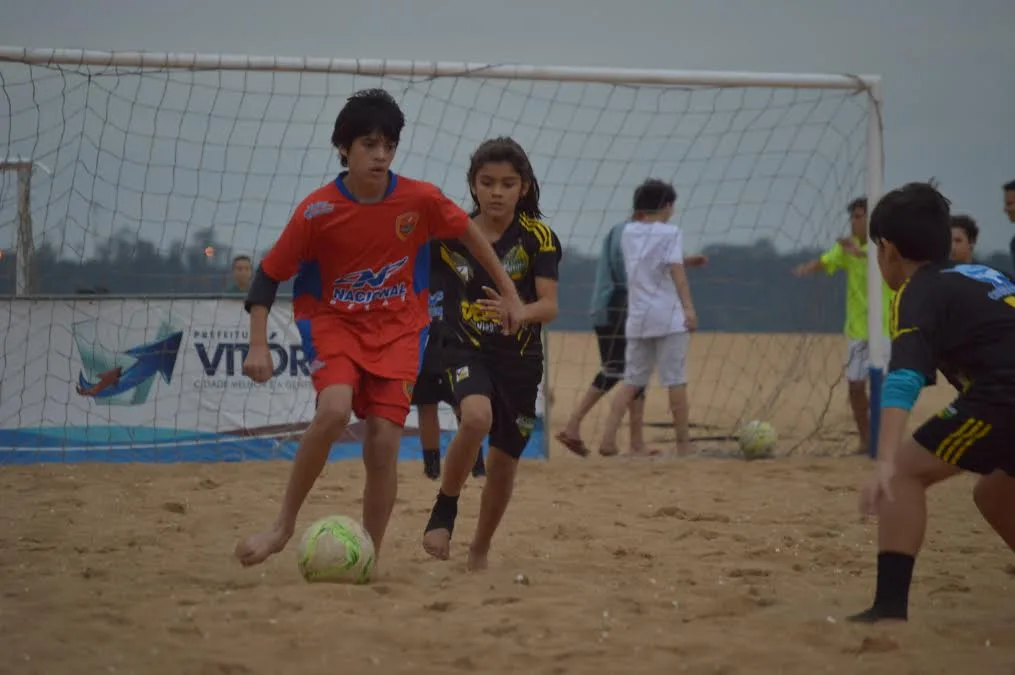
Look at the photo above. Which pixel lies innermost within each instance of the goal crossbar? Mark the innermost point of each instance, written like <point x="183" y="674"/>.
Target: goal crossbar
<point x="433" y="69"/>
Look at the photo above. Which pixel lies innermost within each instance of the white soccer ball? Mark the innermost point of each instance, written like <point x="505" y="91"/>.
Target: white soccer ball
<point x="757" y="439"/>
<point x="336" y="549"/>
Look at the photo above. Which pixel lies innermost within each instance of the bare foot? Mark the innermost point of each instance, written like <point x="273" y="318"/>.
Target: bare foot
<point x="478" y="559"/>
<point x="257" y="548"/>
<point x="685" y="449"/>
<point x="438" y="543"/>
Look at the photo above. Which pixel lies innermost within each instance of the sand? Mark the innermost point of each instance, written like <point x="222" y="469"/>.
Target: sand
<point x="703" y="565"/>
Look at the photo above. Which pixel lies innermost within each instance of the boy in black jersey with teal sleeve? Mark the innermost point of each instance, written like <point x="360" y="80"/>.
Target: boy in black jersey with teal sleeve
<point x="432" y="387"/>
<point x="495" y="374"/>
<point x="959" y="319"/>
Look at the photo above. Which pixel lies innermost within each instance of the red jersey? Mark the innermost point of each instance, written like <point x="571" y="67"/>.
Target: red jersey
<point x="366" y="266"/>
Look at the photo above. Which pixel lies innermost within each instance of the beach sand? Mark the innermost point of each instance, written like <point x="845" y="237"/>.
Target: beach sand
<point x="702" y="565"/>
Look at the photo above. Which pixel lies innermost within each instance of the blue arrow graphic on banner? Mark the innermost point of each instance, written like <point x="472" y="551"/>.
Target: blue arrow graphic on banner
<point x="155" y="358"/>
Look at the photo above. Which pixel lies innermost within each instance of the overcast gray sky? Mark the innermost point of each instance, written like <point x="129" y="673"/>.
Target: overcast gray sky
<point x="948" y="66"/>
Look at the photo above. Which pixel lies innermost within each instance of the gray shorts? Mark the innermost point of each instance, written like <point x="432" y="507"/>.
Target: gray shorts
<point x="667" y="353"/>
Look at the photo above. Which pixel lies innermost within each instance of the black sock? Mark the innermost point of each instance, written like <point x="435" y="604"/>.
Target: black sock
<point x="443" y="515"/>
<point x="432" y="463"/>
<point x="891" y="599"/>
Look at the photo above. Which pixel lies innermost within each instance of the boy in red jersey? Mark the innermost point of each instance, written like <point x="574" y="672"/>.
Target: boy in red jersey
<point x="361" y="246"/>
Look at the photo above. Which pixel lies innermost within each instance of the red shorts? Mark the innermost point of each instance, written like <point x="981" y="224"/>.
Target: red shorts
<point x="372" y="396"/>
<point x="382" y="378"/>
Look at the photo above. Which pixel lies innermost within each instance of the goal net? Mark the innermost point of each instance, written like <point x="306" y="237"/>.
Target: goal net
<point x="164" y="168"/>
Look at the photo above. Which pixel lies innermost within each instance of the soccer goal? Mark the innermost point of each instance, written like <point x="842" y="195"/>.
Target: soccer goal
<point x="120" y="346"/>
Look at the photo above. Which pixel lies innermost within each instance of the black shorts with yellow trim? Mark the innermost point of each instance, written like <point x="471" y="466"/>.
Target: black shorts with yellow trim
<point x="972" y="436"/>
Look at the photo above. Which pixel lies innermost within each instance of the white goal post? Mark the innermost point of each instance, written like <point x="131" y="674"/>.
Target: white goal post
<point x="866" y="90"/>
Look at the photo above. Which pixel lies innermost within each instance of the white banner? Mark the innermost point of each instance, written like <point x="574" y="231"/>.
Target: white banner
<point x="131" y="379"/>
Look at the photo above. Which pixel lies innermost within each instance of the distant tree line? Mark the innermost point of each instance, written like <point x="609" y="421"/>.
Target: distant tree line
<point x="743" y="289"/>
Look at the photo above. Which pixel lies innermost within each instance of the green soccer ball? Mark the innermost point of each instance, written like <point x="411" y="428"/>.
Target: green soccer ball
<point x="336" y="549"/>
<point x="757" y="440"/>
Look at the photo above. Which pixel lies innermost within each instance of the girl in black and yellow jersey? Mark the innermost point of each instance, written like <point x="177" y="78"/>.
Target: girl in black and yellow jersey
<point x="495" y="375"/>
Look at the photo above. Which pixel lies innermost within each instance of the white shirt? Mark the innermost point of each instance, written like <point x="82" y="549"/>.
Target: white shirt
<point x="653" y="306"/>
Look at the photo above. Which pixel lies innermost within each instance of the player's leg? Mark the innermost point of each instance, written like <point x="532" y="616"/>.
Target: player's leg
<point x="953" y="441"/>
<point x="479" y="468"/>
<point x="611" y="355"/>
<point x="384" y="404"/>
<point x="430" y="439"/>
<point x="638" y="365"/>
<point x="335" y="385"/>
<point x="514" y="417"/>
<point x="857" y="359"/>
<point x="673" y="350"/>
<point x="472" y="386"/>
<point x="636" y="422"/>
<point x="426" y="396"/>
<point x="995" y="498"/>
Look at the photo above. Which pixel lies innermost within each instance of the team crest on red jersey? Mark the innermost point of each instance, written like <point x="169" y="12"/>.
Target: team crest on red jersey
<point x="405" y="224"/>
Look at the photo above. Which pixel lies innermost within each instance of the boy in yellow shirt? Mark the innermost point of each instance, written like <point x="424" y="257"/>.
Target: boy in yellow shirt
<point x="850" y="254"/>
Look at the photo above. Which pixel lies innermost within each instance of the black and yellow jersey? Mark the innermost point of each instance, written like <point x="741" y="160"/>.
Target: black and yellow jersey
<point x="959" y="319"/>
<point x="527" y="249"/>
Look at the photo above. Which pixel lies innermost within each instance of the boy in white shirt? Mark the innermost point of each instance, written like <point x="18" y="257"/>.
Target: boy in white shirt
<point x="660" y="312"/>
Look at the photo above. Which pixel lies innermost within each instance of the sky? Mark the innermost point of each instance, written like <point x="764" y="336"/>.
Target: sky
<point x="947" y="69"/>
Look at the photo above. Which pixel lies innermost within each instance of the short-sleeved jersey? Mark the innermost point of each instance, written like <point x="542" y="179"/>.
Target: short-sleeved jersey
<point x="367" y="265"/>
<point x="527" y="249"/>
<point x="959" y="319"/>
<point x="835" y="259"/>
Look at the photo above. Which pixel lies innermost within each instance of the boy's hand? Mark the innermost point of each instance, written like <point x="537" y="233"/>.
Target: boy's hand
<point x="876" y="489"/>
<point x="691" y="320"/>
<point x="511" y="310"/>
<point x="695" y="261"/>
<point x="258" y="366"/>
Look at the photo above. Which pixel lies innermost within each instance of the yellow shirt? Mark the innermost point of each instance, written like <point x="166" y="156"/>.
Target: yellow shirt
<point x="836" y="258"/>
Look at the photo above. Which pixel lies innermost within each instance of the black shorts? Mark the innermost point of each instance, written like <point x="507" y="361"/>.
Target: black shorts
<point x="511" y="384"/>
<point x="431" y="389"/>
<point x="612" y="343"/>
<point x="612" y="348"/>
<point x="973" y="436"/>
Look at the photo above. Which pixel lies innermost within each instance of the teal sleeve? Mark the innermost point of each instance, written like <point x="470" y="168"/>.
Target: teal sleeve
<point x="901" y="389"/>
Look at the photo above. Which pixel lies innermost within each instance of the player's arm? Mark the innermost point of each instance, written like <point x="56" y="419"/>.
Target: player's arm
<point x="280" y="264"/>
<point x="695" y="260"/>
<point x="675" y="260"/>
<point x="831" y="260"/>
<point x="912" y="365"/>
<point x="545" y="270"/>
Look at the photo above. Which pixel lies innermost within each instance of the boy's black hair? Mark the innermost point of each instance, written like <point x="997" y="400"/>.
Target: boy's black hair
<point x="916" y="218"/>
<point x="858" y="203"/>
<point x="1010" y="186"/>
<point x="367" y="112"/>
<point x="654" y="195"/>
<point x="967" y="225"/>
<point x="241" y="258"/>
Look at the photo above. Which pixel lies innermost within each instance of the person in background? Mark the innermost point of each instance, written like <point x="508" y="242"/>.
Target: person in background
<point x="1009" y="209"/>
<point x="243" y="272"/>
<point x="964" y="235"/>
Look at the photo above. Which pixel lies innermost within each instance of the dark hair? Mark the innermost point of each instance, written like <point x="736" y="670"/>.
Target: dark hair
<point x="858" y="203"/>
<point x="506" y="149"/>
<point x="967" y="225"/>
<point x="367" y="112"/>
<point x="916" y="219"/>
<point x="654" y="195"/>
<point x="1010" y="186"/>
<point x="241" y="258"/>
